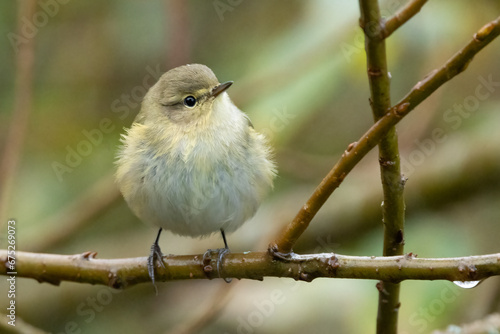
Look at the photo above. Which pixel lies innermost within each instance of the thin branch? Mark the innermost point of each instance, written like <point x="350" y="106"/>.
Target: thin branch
<point x="97" y="198"/>
<point x="455" y="65"/>
<point x="177" y="16"/>
<point x="123" y="273"/>
<point x="393" y="209"/>
<point x="403" y="15"/>
<point x="21" y="326"/>
<point x="357" y="150"/>
<point x="489" y="324"/>
<point x="213" y="309"/>
<point x="212" y="312"/>
<point x="432" y="188"/>
<point x="25" y="59"/>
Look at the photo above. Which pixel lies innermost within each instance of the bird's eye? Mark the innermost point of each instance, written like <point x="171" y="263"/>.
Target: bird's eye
<point x="190" y="101"/>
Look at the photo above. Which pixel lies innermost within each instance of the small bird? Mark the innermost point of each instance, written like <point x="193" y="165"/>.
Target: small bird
<point x="192" y="162"/>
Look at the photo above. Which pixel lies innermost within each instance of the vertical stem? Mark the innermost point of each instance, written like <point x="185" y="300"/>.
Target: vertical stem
<point x="392" y="181"/>
<point x="23" y="93"/>
<point x="178" y="31"/>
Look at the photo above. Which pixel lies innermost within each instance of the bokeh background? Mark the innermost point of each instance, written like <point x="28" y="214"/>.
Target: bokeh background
<point x="300" y="74"/>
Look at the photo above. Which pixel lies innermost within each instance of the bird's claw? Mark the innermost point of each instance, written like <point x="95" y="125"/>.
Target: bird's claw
<point x="221" y="252"/>
<point x="155" y="254"/>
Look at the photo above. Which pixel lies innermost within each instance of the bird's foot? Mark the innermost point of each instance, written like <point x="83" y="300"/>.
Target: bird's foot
<point x="155" y="254"/>
<point x="221" y="252"/>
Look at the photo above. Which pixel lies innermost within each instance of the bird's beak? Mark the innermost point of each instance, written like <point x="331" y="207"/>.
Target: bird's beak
<point x="221" y="88"/>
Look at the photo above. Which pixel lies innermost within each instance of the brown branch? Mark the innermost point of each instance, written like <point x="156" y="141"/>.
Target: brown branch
<point x="21" y="326"/>
<point x="431" y="188"/>
<point x="393" y="209"/>
<point x="403" y="15"/>
<point x="213" y="311"/>
<point x="455" y="65"/>
<point x="23" y="96"/>
<point x="489" y="324"/>
<point x="177" y="16"/>
<point x="123" y="273"/>
<point x="356" y="151"/>
<point x="97" y="198"/>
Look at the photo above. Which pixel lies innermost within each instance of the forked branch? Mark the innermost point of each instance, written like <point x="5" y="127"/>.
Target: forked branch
<point x="357" y="150"/>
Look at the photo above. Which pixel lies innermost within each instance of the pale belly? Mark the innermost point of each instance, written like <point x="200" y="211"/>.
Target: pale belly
<point x="195" y="200"/>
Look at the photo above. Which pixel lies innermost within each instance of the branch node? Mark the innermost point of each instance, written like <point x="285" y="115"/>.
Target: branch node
<point x="305" y="277"/>
<point x="88" y="255"/>
<point x="484" y="32"/>
<point x="333" y="263"/>
<point x="402" y="108"/>
<point x="206" y="264"/>
<point x="403" y="180"/>
<point x="273" y="251"/>
<point x="115" y="282"/>
<point x="386" y="163"/>
<point x="381" y="288"/>
<point x="472" y="271"/>
<point x="350" y="147"/>
<point x="410" y="256"/>
<point x="375" y="72"/>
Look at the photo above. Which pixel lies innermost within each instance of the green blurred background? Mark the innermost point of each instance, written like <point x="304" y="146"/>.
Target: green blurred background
<point x="300" y="74"/>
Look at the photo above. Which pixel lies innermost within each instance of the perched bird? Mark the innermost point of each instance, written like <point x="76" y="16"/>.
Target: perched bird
<point x="192" y="162"/>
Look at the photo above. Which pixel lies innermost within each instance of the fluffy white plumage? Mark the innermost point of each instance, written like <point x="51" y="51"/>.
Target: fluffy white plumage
<point x="193" y="170"/>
